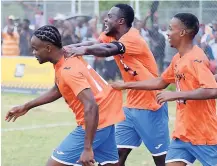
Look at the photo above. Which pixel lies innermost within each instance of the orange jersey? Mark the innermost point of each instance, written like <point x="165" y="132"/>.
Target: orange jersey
<point x="73" y="76"/>
<point x="196" y="120"/>
<point x="140" y="59"/>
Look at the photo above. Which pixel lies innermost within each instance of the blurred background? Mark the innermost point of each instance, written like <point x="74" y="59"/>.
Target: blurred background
<point x="80" y="20"/>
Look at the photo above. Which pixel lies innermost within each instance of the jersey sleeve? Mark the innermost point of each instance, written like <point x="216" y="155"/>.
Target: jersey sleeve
<point x="76" y="81"/>
<point x="103" y="38"/>
<point x="168" y="75"/>
<point x="131" y="47"/>
<point x="202" y="73"/>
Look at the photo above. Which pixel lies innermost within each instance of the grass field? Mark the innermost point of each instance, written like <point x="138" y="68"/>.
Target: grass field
<point x="31" y="139"/>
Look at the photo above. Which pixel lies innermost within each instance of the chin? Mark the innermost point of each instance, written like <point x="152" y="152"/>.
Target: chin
<point x="107" y="33"/>
<point x="40" y="62"/>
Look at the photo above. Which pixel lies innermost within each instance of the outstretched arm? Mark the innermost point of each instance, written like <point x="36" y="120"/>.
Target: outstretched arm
<point x="198" y="94"/>
<point x="48" y="97"/>
<point x="86" y="43"/>
<point x="152" y="84"/>
<point x="100" y="50"/>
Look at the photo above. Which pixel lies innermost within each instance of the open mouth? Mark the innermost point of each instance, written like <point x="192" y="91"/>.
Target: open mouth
<point x="106" y="27"/>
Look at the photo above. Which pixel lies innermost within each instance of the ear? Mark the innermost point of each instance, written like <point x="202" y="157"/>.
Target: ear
<point x="49" y="48"/>
<point x="183" y="33"/>
<point x="121" y="21"/>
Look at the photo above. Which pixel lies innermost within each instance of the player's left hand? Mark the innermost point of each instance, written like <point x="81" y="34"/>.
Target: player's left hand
<point x="166" y="96"/>
<point x="87" y="158"/>
<point x="74" y="51"/>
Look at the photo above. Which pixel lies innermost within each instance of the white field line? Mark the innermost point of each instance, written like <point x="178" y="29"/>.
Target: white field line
<point x="37" y="127"/>
<point x="48" y="126"/>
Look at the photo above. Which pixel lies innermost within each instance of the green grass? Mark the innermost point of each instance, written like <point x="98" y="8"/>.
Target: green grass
<point x="33" y="147"/>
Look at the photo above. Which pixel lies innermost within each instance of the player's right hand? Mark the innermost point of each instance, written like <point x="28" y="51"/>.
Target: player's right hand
<point x="67" y="51"/>
<point x="16" y="112"/>
<point x="118" y="85"/>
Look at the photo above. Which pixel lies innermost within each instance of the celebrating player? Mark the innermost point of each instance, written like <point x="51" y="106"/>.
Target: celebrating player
<point x="96" y="105"/>
<point x="146" y="120"/>
<point x="195" y="134"/>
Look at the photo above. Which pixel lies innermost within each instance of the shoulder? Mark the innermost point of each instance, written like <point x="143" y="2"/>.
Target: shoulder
<point x="73" y="66"/>
<point x="103" y="38"/>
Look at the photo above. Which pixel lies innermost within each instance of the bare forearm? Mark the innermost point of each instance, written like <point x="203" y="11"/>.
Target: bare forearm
<point x="104" y="50"/>
<point x="153" y="84"/>
<point x="99" y="51"/>
<point x="86" y="43"/>
<point x="51" y="95"/>
<point x="91" y="123"/>
<point x="198" y="94"/>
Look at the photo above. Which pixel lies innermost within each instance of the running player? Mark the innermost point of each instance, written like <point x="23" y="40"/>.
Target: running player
<point x="146" y="120"/>
<point x="96" y="105"/>
<point x="195" y="134"/>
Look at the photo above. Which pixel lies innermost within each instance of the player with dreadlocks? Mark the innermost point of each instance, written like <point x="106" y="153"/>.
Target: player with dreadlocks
<point x="195" y="134"/>
<point x="96" y="105"/>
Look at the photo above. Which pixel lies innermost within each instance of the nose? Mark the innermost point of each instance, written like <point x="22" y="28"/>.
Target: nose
<point x="33" y="52"/>
<point x="168" y="33"/>
<point x="106" y="19"/>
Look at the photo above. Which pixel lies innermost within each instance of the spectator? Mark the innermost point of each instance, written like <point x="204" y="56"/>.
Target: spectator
<point x="214" y="25"/>
<point x="214" y="45"/>
<point x="59" y="22"/>
<point x="25" y="36"/>
<point x="19" y="28"/>
<point x="214" y="51"/>
<point x="157" y="44"/>
<point x="92" y="33"/>
<point x="138" y="24"/>
<point x="10" y="23"/>
<point x="197" y="38"/>
<point x="10" y="43"/>
<point x="68" y="34"/>
<point x="81" y="28"/>
<point x="206" y="48"/>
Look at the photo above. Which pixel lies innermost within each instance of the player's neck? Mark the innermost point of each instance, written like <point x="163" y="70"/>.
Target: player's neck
<point x="121" y="32"/>
<point x="56" y="56"/>
<point x="185" y="47"/>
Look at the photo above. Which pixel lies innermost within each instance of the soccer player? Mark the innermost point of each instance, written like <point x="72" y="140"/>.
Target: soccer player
<point x="195" y="134"/>
<point x="96" y="105"/>
<point x="146" y="120"/>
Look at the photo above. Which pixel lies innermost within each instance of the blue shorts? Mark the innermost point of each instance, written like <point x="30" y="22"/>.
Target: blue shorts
<point x="151" y="127"/>
<point x="104" y="147"/>
<point x="188" y="153"/>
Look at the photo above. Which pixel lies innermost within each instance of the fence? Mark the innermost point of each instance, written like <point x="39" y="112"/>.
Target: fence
<point x="205" y="10"/>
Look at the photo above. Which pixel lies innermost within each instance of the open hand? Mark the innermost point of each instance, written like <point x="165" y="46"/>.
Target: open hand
<point x="166" y="96"/>
<point x="118" y="85"/>
<point x="16" y="112"/>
